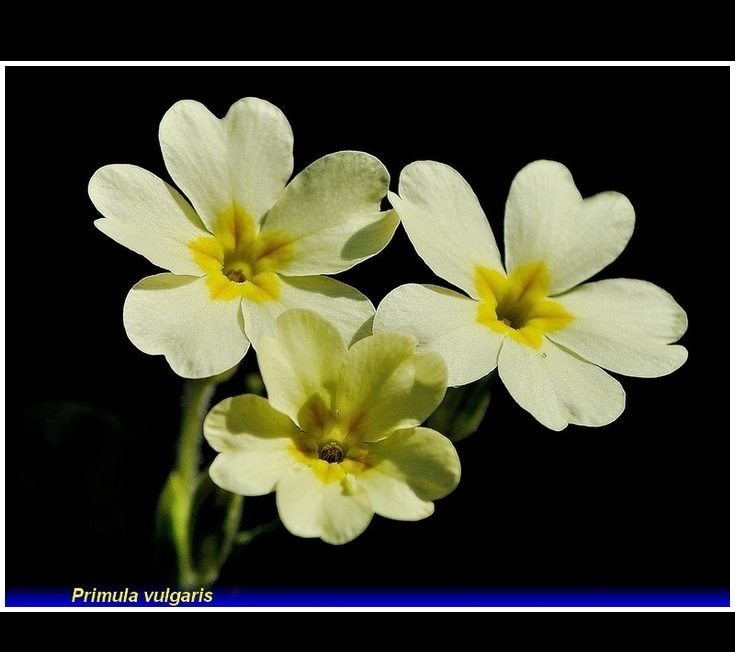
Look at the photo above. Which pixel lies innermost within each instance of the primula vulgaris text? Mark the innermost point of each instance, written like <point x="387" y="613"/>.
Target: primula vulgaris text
<point x="250" y="244"/>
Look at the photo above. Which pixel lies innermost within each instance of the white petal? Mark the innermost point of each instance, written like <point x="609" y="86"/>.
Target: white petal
<point x="410" y="469"/>
<point x="301" y="363"/>
<point x="244" y="158"/>
<point x="385" y="385"/>
<point x="310" y="508"/>
<point x="557" y="387"/>
<point x="547" y="220"/>
<point x="145" y="214"/>
<point x="175" y="316"/>
<point x="446" y="322"/>
<point x="626" y="326"/>
<point x="331" y="210"/>
<point x="445" y="223"/>
<point x="252" y="440"/>
<point x="349" y="311"/>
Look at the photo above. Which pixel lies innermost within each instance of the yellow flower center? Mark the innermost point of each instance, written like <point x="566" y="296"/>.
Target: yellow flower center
<point x="239" y="261"/>
<point x="331" y="445"/>
<point x="518" y="305"/>
<point x="331" y="461"/>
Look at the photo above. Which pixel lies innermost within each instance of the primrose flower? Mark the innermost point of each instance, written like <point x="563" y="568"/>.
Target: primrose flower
<point x="249" y="246"/>
<point x="549" y="336"/>
<point x="338" y="438"/>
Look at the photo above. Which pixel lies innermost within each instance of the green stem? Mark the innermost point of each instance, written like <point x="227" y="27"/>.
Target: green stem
<point x="195" y="403"/>
<point x="197" y="522"/>
<point x="177" y="502"/>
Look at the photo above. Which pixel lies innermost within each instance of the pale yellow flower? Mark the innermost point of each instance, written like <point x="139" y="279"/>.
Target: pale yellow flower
<point x="250" y="244"/>
<point x="549" y="334"/>
<point x="338" y="438"/>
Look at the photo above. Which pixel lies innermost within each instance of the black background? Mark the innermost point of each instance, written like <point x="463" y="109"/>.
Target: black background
<point x="91" y="422"/>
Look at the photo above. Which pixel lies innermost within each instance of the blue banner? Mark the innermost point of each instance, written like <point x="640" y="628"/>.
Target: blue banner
<point x="81" y="597"/>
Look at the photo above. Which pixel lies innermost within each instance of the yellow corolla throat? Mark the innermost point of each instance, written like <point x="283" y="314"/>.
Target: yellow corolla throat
<point x="331" y="460"/>
<point x="239" y="261"/>
<point x="331" y="444"/>
<point x="518" y="305"/>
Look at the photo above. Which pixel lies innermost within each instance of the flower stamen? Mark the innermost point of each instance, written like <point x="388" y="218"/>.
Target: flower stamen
<point x="236" y="275"/>
<point x="331" y="453"/>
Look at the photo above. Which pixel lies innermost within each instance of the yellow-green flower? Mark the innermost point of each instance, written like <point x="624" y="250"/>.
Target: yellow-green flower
<point x="550" y="335"/>
<point x="338" y="438"/>
<point x="247" y="246"/>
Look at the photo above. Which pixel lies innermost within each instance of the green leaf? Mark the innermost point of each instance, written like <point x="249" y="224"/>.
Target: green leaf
<point x="216" y="516"/>
<point x="461" y="412"/>
<point x="195" y="530"/>
<point x="171" y="530"/>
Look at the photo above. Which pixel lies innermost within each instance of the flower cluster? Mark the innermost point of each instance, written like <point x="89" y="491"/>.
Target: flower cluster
<point x="339" y="437"/>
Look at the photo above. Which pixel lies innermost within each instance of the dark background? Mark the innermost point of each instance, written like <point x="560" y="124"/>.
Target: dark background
<point x="91" y="422"/>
